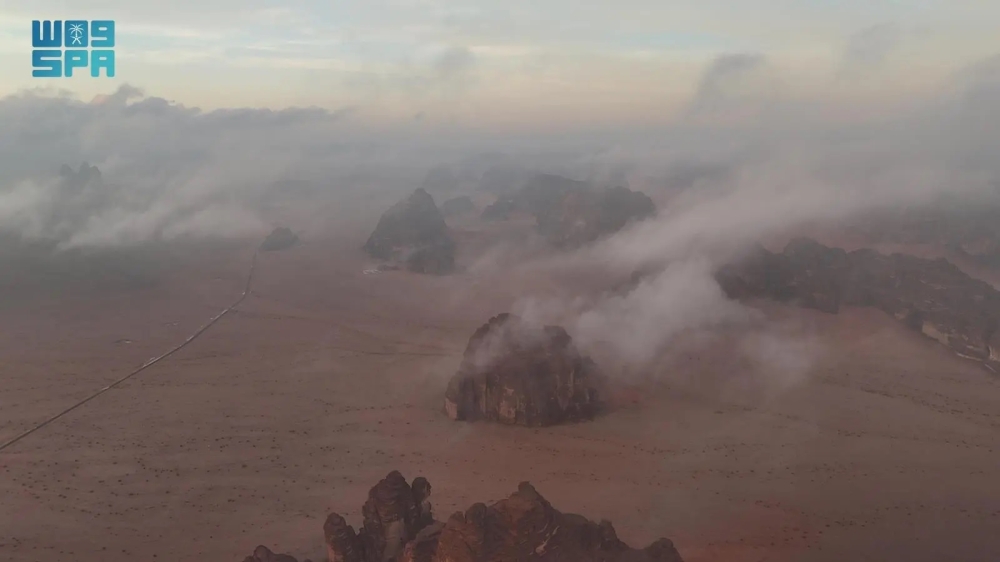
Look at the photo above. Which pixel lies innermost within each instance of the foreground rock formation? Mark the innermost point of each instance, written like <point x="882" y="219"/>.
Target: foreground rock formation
<point x="931" y="296"/>
<point x="281" y="238"/>
<point x="399" y="527"/>
<point x="571" y="213"/>
<point x="514" y="372"/>
<point x="413" y="233"/>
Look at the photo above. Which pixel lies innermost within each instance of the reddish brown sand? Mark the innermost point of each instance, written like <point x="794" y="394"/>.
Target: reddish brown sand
<point x="327" y="378"/>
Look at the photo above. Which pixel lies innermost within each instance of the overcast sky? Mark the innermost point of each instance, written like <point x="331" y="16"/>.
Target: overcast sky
<point x="215" y="99"/>
<point x="504" y="63"/>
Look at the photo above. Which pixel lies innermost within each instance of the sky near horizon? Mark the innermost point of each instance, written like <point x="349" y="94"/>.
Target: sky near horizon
<point x="501" y="62"/>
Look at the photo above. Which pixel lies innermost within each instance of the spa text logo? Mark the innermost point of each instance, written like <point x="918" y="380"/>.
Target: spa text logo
<point x="87" y="44"/>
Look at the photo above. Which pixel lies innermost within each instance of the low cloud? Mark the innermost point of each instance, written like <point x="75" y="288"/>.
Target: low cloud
<point x="798" y="176"/>
<point x="732" y="85"/>
<point x="167" y="170"/>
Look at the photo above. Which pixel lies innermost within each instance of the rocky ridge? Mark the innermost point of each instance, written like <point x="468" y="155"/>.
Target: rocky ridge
<point x="399" y="527"/>
<point x="933" y="297"/>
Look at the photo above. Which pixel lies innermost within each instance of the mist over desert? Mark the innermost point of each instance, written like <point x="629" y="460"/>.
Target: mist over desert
<point x="766" y="322"/>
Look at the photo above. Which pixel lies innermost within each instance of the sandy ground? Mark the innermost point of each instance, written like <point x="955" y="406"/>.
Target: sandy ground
<point x="327" y="378"/>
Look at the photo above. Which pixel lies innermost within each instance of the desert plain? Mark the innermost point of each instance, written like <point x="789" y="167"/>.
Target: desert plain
<point x="328" y="376"/>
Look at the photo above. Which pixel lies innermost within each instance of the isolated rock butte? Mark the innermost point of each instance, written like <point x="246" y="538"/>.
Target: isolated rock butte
<point x="523" y="526"/>
<point x="517" y="373"/>
<point x="931" y="296"/>
<point x="458" y="206"/>
<point x="281" y="238"/>
<point x="413" y="233"/>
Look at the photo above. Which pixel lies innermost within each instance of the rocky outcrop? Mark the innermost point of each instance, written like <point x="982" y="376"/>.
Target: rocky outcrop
<point x="342" y="543"/>
<point x="500" y="210"/>
<point x="394" y="516"/>
<point x="263" y="554"/>
<point x="458" y="206"/>
<point x="537" y="197"/>
<point x="931" y="296"/>
<point x="962" y="225"/>
<point x="544" y="192"/>
<point x="502" y="179"/>
<point x="423" y="548"/>
<point x="86" y="173"/>
<point x="514" y="372"/>
<point x="281" y="238"/>
<point x="582" y="217"/>
<point x="413" y="233"/>
<point x="440" y="178"/>
<point x="524" y="526"/>
<point x="571" y="213"/>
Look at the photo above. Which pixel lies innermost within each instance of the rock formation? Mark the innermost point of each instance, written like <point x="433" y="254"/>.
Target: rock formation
<point x="441" y="178"/>
<point x="932" y="296"/>
<point x="86" y="173"/>
<point x="514" y="372"/>
<point x="581" y="217"/>
<point x="281" y="238"/>
<point x="536" y="197"/>
<point x="502" y="179"/>
<point x="500" y="210"/>
<point x="394" y="516"/>
<point x="413" y="233"/>
<point x="545" y="191"/>
<point x="523" y="526"/>
<point x="342" y="543"/>
<point x="571" y="213"/>
<point x="263" y="554"/>
<point x="526" y="527"/>
<point x="458" y="206"/>
<point x="960" y="224"/>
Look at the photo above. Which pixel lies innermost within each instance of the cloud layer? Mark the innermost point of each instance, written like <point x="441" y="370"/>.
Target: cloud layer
<point x="762" y="156"/>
